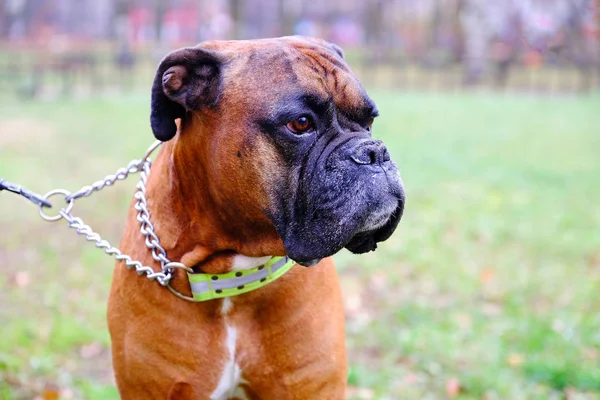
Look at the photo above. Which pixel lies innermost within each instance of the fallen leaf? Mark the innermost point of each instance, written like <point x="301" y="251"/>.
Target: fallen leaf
<point x="364" y="393"/>
<point x="491" y="309"/>
<point x="379" y="281"/>
<point x="570" y="394"/>
<point x="51" y="392"/>
<point x="453" y="387"/>
<point x="514" y="360"/>
<point x="22" y="279"/>
<point x="360" y="393"/>
<point x="90" y="350"/>
<point x="410" y="379"/>
<point x="486" y="275"/>
<point x="464" y="321"/>
<point x="592" y="354"/>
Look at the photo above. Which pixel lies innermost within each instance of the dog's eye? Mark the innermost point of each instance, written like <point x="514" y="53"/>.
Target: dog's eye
<point x="370" y="124"/>
<point x="300" y="125"/>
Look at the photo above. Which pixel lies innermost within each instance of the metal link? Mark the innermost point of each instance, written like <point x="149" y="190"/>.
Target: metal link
<point x="91" y="236"/>
<point x="51" y="193"/>
<point x="146" y="228"/>
<point x="121" y="174"/>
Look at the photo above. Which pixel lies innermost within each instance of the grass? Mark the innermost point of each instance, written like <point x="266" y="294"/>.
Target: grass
<point x="488" y="290"/>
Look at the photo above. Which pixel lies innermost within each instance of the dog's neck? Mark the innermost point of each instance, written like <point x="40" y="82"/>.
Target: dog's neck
<point x="191" y="224"/>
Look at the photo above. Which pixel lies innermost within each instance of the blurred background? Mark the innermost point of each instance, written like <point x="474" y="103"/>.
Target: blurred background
<point x="488" y="290"/>
<point x="523" y="45"/>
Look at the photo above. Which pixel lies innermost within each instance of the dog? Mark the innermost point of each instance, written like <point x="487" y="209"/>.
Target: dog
<point x="267" y="153"/>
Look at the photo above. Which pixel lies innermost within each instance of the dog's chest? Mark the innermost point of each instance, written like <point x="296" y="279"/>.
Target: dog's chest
<point x="231" y="374"/>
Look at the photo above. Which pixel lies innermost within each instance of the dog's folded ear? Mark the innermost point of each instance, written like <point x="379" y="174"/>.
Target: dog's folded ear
<point x="187" y="79"/>
<point x="337" y="49"/>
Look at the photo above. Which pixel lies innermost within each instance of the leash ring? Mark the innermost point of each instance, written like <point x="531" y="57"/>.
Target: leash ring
<point x="180" y="295"/>
<point x="174" y="264"/>
<point x="67" y="210"/>
<point x="151" y="149"/>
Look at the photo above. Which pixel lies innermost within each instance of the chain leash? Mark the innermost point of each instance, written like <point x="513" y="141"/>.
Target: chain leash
<point x="143" y="216"/>
<point x="229" y="284"/>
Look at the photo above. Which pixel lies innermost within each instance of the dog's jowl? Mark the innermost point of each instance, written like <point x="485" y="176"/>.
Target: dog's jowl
<point x="268" y="152"/>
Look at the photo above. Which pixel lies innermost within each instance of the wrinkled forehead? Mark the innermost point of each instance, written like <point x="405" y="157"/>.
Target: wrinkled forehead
<point x="286" y="68"/>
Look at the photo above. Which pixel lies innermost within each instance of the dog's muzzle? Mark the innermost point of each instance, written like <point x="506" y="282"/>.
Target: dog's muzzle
<point x="354" y="198"/>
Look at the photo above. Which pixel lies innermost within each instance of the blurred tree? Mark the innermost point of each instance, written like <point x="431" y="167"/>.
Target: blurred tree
<point x="124" y="56"/>
<point x="235" y="8"/>
<point x="120" y="10"/>
<point x="373" y="22"/>
<point x="4" y="19"/>
<point x="288" y="16"/>
<point x="160" y="7"/>
<point x="16" y="17"/>
<point x="596" y="30"/>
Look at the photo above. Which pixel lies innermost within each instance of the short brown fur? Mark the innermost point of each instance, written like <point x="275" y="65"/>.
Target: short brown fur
<point x="206" y="195"/>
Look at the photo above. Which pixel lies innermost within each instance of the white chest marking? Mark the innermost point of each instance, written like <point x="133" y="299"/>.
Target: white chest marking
<point x="241" y="262"/>
<point x="231" y="377"/>
<point x="225" y="309"/>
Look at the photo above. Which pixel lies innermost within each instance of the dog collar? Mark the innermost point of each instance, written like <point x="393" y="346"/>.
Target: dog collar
<point x="203" y="286"/>
<point x="216" y="286"/>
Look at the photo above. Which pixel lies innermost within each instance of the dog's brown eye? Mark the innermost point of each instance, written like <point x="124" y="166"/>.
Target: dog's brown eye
<point x="370" y="123"/>
<point x="300" y="125"/>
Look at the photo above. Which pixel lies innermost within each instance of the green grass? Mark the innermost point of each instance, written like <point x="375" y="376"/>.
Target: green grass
<point x="491" y="281"/>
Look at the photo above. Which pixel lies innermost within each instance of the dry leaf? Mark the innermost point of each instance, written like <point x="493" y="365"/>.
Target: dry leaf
<point x="514" y="360"/>
<point x="491" y="309"/>
<point x="570" y="394"/>
<point x="410" y="379"/>
<point x="592" y="354"/>
<point x="90" y="350"/>
<point x="22" y="279"/>
<point x="453" y="387"/>
<point x="464" y="321"/>
<point x="361" y="393"/>
<point x="51" y="392"/>
<point x="379" y="281"/>
<point x="486" y="275"/>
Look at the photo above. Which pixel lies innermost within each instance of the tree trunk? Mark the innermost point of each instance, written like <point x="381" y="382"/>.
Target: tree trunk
<point x="236" y="10"/>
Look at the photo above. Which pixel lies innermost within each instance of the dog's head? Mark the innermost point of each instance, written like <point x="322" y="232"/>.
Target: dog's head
<point x="287" y="125"/>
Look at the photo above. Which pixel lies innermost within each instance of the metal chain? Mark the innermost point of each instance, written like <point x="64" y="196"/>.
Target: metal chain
<point x="143" y="217"/>
<point x="121" y="174"/>
<point x="147" y="229"/>
<point x="91" y="236"/>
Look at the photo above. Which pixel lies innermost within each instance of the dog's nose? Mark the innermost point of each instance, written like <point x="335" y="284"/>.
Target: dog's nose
<point x="370" y="152"/>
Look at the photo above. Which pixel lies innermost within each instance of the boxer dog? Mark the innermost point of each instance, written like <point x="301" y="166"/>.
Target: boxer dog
<point x="268" y="152"/>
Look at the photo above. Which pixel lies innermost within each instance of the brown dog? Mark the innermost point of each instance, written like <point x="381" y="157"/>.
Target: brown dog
<point x="273" y="156"/>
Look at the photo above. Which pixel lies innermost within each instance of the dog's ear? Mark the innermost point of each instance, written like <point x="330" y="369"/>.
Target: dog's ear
<point x="329" y="45"/>
<point x="337" y="49"/>
<point x="187" y="79"/>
